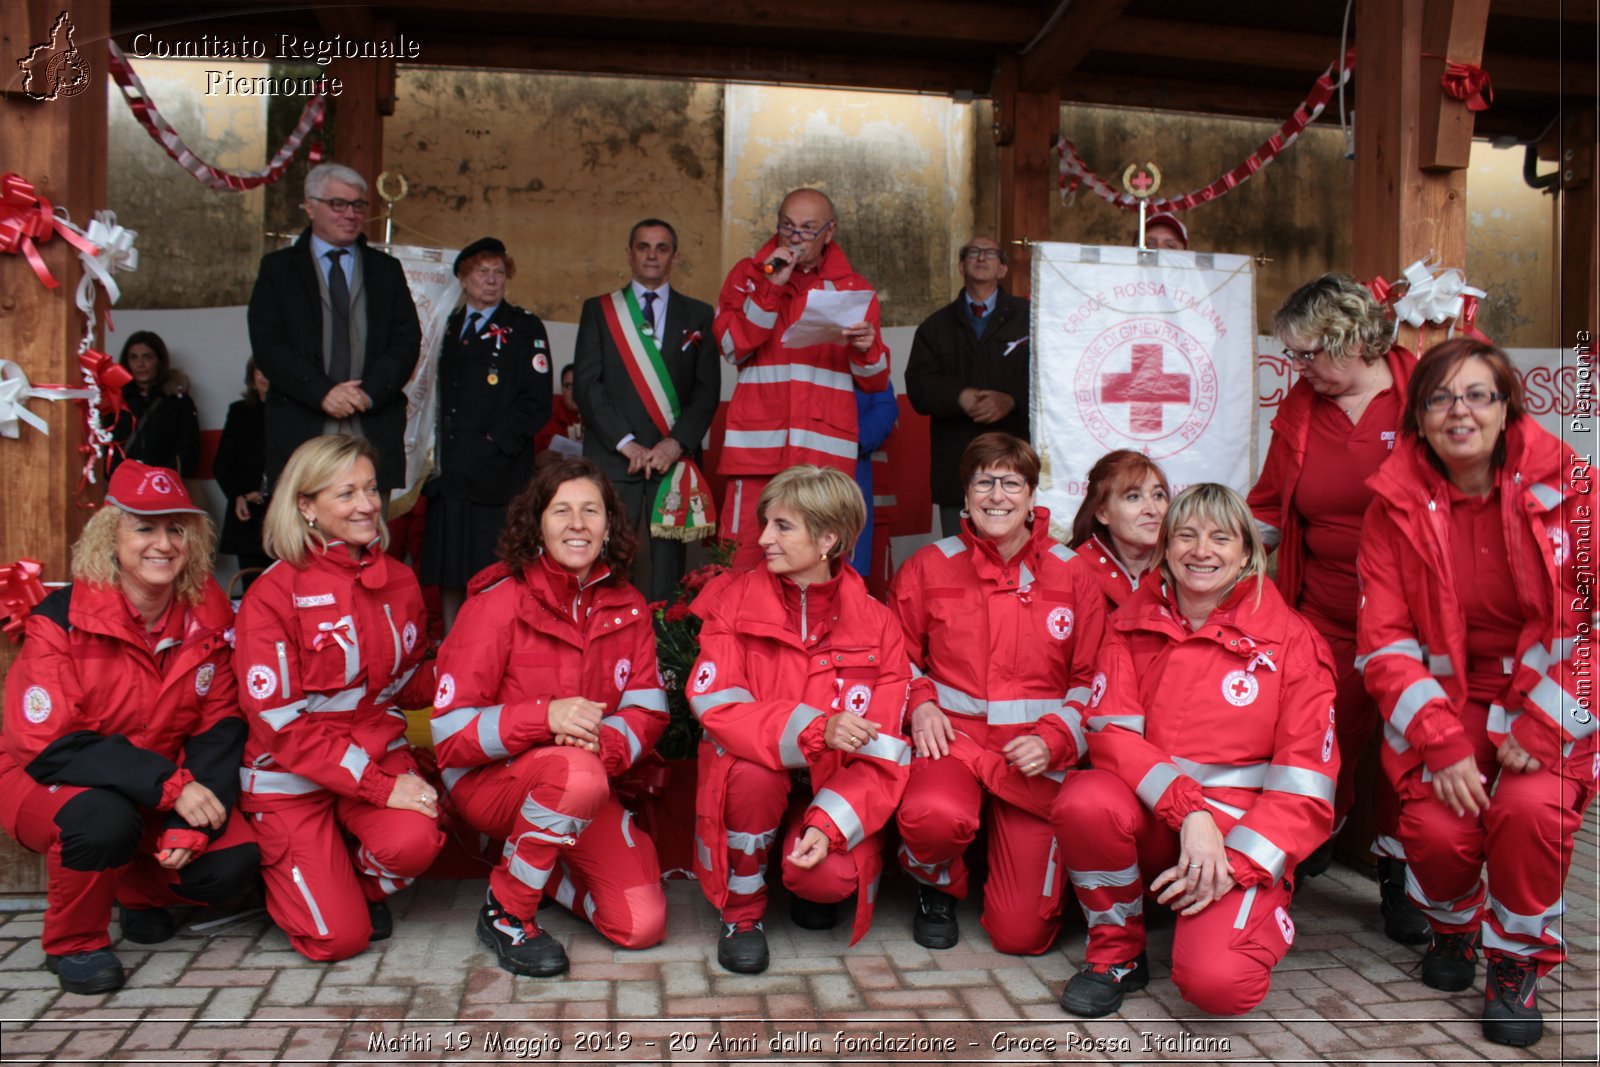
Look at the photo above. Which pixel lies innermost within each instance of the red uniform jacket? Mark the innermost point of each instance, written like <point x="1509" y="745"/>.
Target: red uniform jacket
<point x="1011" y="644"/>
<point x="88" y="705"/>
<point x="1096" y="560"/>
<point x="1272" y="497"/>
<point x="764" y="695"/>
<point x="791" y="405"/>
<point x="1411" y="631"/>
<point x="1235" y="719"/>
<point x="517" y="645"/>
<point x="324" y="655"/>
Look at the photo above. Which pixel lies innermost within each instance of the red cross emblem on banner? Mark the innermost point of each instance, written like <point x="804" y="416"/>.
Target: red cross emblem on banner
<point x="1145" y="388"/>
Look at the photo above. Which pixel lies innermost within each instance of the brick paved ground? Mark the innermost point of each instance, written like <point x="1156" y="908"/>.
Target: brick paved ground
<point x="238" y="994"/>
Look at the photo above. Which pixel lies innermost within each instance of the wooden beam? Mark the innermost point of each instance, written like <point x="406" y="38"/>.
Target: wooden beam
<point x="1163" y="94"/>
<point x="712" y="62"/>
<point x="1050" y="63"/>
<point x="65" y="160"/>
<point x="359" y="108"/>
<point x="1452" y="30"/>
<point x="1580" y="230"/>
<point x="954" y="20"/>
<point x="1216" y="43"/>
<point x="1027" y="176"/>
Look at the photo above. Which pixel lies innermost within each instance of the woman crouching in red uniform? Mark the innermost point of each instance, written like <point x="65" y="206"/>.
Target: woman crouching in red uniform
<point x="547" y="690"/>
<point x="799" y="669"/>
<point x="1211" y="734"/>
<point x="1118" y="525"/>
<point x="327" y="641"/>
<point x="122" y="732"/>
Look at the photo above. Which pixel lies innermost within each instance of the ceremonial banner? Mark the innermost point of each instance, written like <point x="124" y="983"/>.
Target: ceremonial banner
<point x="1153" y="352"/>
<point x="435" y="290"/>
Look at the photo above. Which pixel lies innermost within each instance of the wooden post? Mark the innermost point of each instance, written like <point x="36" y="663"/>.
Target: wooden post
<point x="1026" y="125"/>
<point x="1580" y="229"/>
<point x="358" y="127"/>
<point x="1452" y="30"/>
<point x="65" y="160"/>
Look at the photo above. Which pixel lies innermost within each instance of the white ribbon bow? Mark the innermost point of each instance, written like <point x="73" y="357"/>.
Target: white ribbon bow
<point x="15" y="392"/>
<point x="116" y="253"/>
<point x="1432" y="297"/>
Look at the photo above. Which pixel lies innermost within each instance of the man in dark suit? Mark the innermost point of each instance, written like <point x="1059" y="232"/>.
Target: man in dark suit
<point x="968" y="371"/>
<point x="631" y="429"/>
<point x="333" y="328"/>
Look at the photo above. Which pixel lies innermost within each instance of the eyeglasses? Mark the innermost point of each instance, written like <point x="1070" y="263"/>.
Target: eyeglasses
<point x="790" y="230"/>
<point x="985" y="253"/>
<point x="1011" y="485"/>
<point x="1294" y="355"/>
<point x="340" y="204"/>
<point x="1476" y="399"/>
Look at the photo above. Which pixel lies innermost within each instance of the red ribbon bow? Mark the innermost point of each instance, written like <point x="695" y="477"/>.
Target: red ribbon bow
<point x="1380" y="288"/>
<point x="499" y="333"/>
<point x="26" y="217"/>
<point x="1467" y="83"/>
<point x="20" y="592"/>
<point x="340" y="632"/>
<point x="691" y="339"/>
<point x="110" y="376"/>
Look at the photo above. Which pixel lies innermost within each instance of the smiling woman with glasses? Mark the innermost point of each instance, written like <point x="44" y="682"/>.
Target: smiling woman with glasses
<point x="1475" y="637"/>
<point x="1002" y="632"/>
<point x="1334" y="429"/>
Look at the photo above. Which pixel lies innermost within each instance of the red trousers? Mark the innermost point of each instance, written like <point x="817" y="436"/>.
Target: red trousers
<point x="555" y="808"/>
<point x="1355" y="718"/>
<point x="1112" y="846"/>
<point x="1524" y="838"/>
<point x="753" y="816"/>
<point x="740" y="523"/>
<point x="325" y="857"/>
<point x="938" y="818"/>
<point x="99" y="848"/>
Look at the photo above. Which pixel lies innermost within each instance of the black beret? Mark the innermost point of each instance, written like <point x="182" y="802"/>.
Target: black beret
<point x="482" y="244"/>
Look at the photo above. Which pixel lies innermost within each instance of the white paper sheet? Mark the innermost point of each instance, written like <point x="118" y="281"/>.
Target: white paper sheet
<point x="828" y="313"/>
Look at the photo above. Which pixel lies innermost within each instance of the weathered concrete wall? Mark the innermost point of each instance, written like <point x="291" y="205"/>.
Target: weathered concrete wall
<point x="898" y="168"/>
<point x="560" y="168"/>
<point x="197" y="247"/>
<point x="1511" y="235"/>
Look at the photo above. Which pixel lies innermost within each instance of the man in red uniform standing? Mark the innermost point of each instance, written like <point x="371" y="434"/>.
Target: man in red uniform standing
<point x="791" y="405"/>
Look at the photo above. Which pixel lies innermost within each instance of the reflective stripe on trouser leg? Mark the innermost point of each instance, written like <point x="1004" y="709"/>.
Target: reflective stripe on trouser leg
<point x="1102" y="829"/>
<point x="613" y="878"/>
<point x="938" y="818"/>
<point x="1022" y="896"/>
<point x="752" y="815"/>
<point x="1529" y="827"/>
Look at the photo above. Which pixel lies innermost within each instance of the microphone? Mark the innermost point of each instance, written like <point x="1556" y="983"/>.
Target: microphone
<point x="775" y="264"/>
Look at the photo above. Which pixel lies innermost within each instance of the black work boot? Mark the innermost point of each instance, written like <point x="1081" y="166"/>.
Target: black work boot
<point x="1098" y="989"/>
<point x="382" y="920"/>
<point x="146" y="926"/>
<point x="935" y="925"/>
<point x="811" y="914"/>
<point x="1511" y="1013"/>
<point x="1402" y="921"/>
<point x="743" y="947"/>
<point x="1451" y="962"/>
<point x="518" y="944"/>
<point x="96" y="971"/>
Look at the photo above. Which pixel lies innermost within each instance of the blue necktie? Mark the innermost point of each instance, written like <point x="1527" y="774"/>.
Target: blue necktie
<point x="339" y="299"/>
<point x="650" y="312"/>
<point x="472" y="325"/>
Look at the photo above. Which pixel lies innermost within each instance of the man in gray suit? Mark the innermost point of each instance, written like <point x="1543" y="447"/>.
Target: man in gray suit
<point x="647" y="380"/>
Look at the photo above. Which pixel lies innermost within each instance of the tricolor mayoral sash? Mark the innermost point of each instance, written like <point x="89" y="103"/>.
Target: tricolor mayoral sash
<point x="683" y="509"/>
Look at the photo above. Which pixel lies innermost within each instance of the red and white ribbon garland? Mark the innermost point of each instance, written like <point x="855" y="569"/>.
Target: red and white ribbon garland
<point x="26" y="218"/>
<point x="144" y="109"/>
<point x="1074" y="168"/>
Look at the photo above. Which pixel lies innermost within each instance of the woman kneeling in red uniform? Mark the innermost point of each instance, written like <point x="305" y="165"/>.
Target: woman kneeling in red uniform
<point x="1212" y="736"/>
<point x="1002" y="634"/>
<point x="1119" y="522"/>
<point x="1474" y="634"/>
<point x="548" y="690"/>
<point x="122" y="733"/>
<point x="799" y="669"/>
<point x="328" y="640"/>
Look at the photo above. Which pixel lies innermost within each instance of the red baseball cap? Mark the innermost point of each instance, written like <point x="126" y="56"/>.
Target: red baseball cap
<point x="1167" y="218"/>
<point x="144" y="490"/>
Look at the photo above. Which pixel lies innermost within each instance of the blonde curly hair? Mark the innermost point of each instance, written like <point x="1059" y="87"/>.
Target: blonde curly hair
<point x="1340" y="315"/>
<point x="94" y="556"/>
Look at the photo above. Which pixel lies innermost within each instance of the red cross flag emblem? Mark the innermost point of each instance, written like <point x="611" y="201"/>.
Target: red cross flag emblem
<point x="704" y="676"/>
<point x="1240" y="688"/>
<point x="857" y="699"/>
<point x="1148" y="385"/>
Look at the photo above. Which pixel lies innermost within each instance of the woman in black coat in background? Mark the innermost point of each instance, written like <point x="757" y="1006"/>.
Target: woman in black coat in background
<point x="160" y="427"/>
<point x="240" y="467"/>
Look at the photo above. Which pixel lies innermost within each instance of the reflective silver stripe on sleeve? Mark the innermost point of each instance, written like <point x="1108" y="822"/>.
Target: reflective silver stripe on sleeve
<point x="1062" y="552"/>
<point x="396" y="685"/>
<point x="1244" y="908"/>
<point x="1103" y="879"/>
<point x="777" y="374"/>
<point x="750" y="843"/>
<point x="821" y="442"/>
<point x="746" y="884"/>
<point x="877" y="366"/>
<point x="706" y="701"/>
<point x="1394" y="738"/>
<point x="1407" y="648"/>
<point x="355" y="760"/>
<point x="1068" y="716"/>
<point x="1127" y="722"/>
<point x="702" y="853"/>
<point x="1268" y="856"/>
<point x="280" y="782"/>
<point x="1439" y="665"/>
<point x="1081" y="694"/>
<point x="1536" y="657"/>
<point x="728" y="346"/>
<point x="1532" y="927"/>
<point x="887" y="747"/>
<point x="1499" y="722"/>
<point x="1226" y="809"/>
<point x="652" y="699"/>
<point x="843" y="815"/>
<point x="444" y="727"/>
<point x="789" y="742"/>
<point x="1549" y="697"/>
<point x="1270" y="534"/>
<point x="1301" y="781"/>
<point x="1153" y="786"/>
<point x="452" y="775"/>
<point x="916" y="672"/>
<point x="1116" y="915"/>
<point x="950" y="546"/>
<point x="754" y="439"/>
<point x="619" y="724"/>
<point x="758" y="315"/>
<point x="278" y="718"/>
<point x="1224" y="775"/>
<point x="1548" y="496"/>
<point x="1412" y="699"/>
<point x="1020" y="712"/>
<point x="489" y="733"/>
<point x="343" y="700"/>
<point x="1561" y="648"/>
<point x="953" y="699"/>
